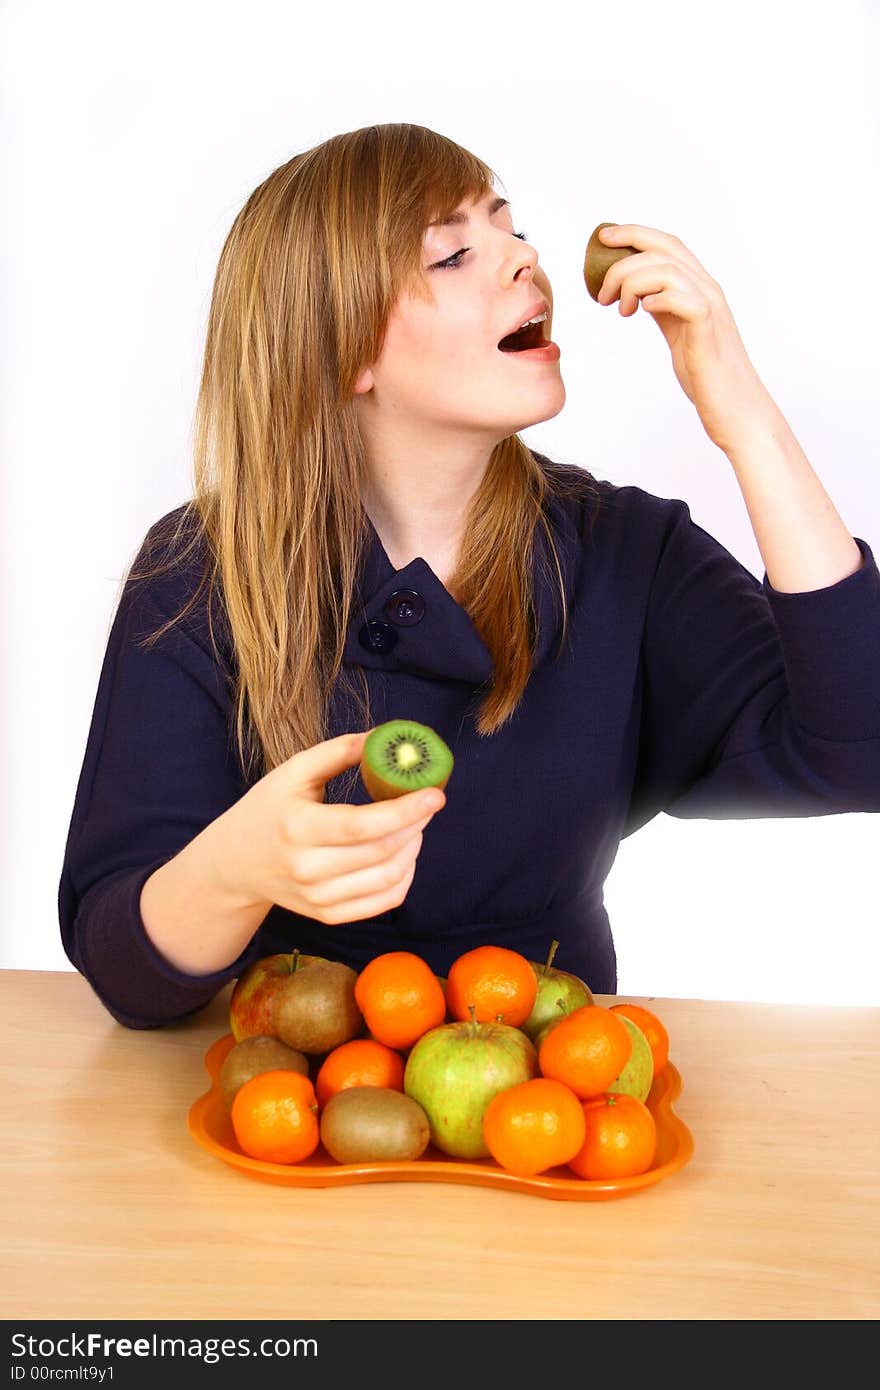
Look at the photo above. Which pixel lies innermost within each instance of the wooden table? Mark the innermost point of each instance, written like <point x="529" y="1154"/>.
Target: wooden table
<point x="112" y="1210"/>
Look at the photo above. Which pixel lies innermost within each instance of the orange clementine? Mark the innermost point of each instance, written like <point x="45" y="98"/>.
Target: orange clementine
<point x="400" y="998"/>
<point x="534" y="1126"/>
<point x="498" y="982"/>
<point x="275" y="1117"/>
<point x="620" y="1138"/>
<point x="586" y="1050"/>
<point x="653" y="1029"/>
<point x="361" y="1062"/>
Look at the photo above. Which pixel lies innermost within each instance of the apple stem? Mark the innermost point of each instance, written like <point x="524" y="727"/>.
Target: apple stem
<point x="472" y="1010"/>
<point x="554" y="947"/>
<point x="294" y="960"/>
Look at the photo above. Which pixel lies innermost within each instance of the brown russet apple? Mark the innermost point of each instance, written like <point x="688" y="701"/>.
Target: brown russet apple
<point x="252" y="1000"/>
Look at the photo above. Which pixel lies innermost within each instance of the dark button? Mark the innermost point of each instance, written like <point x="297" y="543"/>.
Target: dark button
<point x="405" y="607"/>
<point x="377" y="636"/>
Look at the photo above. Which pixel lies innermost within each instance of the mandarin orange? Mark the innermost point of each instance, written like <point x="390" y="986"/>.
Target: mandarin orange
<point x="361" y="1062"/>
<point x="586" y="1050"/>
<point x="620" y="1139"/>
<point x="498" y="982"/>
<point x="534" y="1126"/>
<point x="400" y="998"/>
<point x="275" y="1117"/>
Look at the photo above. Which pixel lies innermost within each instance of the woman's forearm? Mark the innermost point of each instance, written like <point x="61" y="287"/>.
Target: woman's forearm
<point x="802" y="538"/>
<point x="189" y="913"/>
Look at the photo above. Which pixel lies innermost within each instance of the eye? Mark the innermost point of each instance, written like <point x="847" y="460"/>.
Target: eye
<point x="452" y="262"/>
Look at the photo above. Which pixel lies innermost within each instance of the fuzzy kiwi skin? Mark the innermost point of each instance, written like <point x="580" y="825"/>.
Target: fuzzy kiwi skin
<point x="254" y="1055"/>
<point x="382" y="790"/>
<point x="599" y="257"/>
<point x="374" y="1124"/>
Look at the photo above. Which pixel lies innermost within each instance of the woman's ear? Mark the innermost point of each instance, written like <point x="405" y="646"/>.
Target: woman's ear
<point x="364" y="382"/>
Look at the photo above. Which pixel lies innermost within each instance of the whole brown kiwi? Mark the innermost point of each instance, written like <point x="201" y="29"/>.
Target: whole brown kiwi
<point x="374" y="1124"/>
<point x="254" y="1055"/>
<point x="315" y="1010"/>
<point x="599" y="257"/>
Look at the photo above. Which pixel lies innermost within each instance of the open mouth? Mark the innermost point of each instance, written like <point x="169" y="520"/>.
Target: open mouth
<point x="532" y="336"/>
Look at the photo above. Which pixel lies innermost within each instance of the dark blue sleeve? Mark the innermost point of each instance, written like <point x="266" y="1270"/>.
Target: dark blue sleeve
<point x="756" y="703"/>
<point x="158" y="767"/>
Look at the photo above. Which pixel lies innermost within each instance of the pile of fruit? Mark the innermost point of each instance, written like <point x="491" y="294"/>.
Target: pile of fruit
<point x="507" y="1058"/>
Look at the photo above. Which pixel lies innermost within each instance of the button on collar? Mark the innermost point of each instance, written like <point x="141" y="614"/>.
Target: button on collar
<point x="443" y="643"/>
<point x="405" y="607"/>
<point x="376" y="636"/>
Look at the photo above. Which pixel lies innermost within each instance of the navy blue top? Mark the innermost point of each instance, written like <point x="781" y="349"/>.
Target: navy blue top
<point x="684" y="686"/>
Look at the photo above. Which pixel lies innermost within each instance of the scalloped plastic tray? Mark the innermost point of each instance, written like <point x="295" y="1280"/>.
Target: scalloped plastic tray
<point x="211" y="1127"/>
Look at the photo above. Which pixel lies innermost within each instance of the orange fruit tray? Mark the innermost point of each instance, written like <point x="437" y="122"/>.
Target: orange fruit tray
<point x="211" y="1127"/>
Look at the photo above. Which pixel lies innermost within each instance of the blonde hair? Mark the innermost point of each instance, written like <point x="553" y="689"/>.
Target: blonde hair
<point x="305" y="283"/>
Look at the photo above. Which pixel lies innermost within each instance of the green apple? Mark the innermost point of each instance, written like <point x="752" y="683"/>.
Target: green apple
<point x="542" y="1032"/>
<point x="454" y="1070"/>
<point x="638" y="1074"/>
<point x="559" y="993"/>
<point x="252" y="1001"/>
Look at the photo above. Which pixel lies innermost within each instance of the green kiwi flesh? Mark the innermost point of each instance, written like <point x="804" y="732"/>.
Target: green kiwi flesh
<point x="374" y="1124"/>
<point x="599" y="257"/>
<point x="254" y="1055"/>
<point x="403" y="756"/>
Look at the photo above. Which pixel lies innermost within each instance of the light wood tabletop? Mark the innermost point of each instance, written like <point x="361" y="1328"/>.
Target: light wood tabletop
<point x="111" y="1209"/>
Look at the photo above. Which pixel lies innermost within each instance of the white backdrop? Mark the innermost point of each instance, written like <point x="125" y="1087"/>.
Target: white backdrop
<point x="133" y="136"/>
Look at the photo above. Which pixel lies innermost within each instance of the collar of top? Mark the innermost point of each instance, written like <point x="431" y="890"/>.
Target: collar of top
<point x="406" y="620"/>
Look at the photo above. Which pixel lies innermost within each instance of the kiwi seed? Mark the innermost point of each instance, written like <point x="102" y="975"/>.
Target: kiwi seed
<point x="402" y="756"/>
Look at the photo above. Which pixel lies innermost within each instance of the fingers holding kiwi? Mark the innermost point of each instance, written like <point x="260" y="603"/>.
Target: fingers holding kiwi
<point x="357" y="876"/>
<point x="382" y="845"/>
<point x="346" y="862"/>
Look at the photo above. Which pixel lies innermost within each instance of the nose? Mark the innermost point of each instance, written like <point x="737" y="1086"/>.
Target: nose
<point x="523" y="265"/>
<point x="525" y="257"/>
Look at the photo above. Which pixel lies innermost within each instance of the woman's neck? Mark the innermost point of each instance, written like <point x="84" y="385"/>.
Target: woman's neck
<point x="418" y="508"/>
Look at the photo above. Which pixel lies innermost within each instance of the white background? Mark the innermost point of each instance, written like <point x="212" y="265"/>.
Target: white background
<point x="132" y="136"/>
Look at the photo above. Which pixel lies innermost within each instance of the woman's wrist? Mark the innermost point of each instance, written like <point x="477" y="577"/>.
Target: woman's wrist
<point x="192" y="910"/>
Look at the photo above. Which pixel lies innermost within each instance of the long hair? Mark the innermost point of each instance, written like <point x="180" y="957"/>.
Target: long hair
<point x="306" y="281"/>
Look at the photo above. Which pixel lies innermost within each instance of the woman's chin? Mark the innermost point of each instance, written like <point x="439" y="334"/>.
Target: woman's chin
<point x="554" y="405"/>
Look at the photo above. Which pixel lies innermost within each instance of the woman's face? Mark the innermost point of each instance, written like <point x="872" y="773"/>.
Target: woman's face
<point x="440" y="365"/>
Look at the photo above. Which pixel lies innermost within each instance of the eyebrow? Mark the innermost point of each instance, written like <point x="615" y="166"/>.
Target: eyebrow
<point x="458" y="219"/>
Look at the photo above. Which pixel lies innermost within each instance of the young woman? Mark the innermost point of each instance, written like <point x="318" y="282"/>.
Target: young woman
<point x="369" y="538"/>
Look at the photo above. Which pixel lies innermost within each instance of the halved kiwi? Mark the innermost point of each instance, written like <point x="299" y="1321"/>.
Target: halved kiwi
<point x="402" y="756"/>
<point x="599" y="257"/>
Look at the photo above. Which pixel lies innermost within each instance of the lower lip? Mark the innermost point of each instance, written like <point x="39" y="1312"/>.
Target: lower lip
<point x="548" y="353"/>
